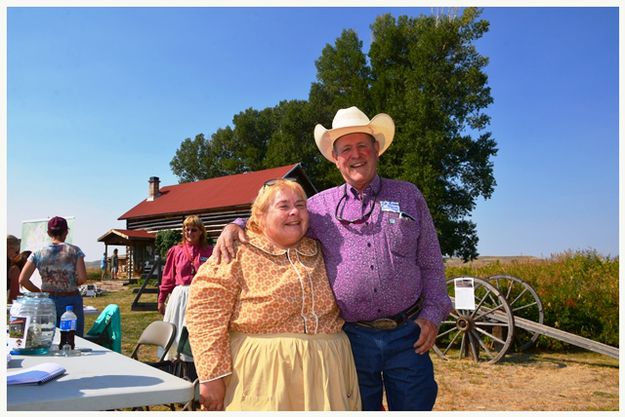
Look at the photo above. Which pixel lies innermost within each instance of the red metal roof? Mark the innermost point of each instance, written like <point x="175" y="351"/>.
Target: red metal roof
<point x="214" y="193"/>
<point x="128" y="234"/>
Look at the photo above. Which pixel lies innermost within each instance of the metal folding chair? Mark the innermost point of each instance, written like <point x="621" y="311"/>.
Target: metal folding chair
<point x="162" y="334"/>
<point x="186" y="370"/>
<point x="158" y="333"/>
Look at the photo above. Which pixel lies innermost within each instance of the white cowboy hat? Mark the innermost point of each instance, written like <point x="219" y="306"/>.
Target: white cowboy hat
<point x="353" y="120"/>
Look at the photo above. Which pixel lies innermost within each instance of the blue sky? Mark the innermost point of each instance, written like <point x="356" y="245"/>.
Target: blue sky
<point x="99" y="99"/>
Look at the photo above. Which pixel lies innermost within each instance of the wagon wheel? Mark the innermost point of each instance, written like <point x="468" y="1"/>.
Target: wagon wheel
<point x="524" y="302"/>
<point x="484" y="334"/>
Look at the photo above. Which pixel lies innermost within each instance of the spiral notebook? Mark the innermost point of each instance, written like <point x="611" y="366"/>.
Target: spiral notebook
<point x="37" y="374"/>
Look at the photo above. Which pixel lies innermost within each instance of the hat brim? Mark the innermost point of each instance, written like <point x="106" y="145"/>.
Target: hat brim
<point x="381" y="127"/>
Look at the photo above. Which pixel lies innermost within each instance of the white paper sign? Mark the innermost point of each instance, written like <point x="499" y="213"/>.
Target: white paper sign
<point x="464" y="294"/>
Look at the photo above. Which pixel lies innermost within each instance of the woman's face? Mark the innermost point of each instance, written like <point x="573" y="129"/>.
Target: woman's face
<point x="286" y="220"/>
<point x="13" y="251"/>
<point x="192" y="234"/>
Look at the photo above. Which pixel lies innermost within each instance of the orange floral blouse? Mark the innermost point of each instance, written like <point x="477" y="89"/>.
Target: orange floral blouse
<point x="264" y="290"/>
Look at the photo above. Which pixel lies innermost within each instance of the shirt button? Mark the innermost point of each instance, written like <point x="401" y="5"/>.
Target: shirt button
<point x="368" y="244"/>
<point x="375" y="290"/>
<point x="371" y="267"/>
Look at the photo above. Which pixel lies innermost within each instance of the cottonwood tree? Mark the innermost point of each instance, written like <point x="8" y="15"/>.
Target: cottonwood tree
<point x="427" y="74"/>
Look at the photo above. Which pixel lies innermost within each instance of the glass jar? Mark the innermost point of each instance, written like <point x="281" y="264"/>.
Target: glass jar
<point x="32" y="323"/>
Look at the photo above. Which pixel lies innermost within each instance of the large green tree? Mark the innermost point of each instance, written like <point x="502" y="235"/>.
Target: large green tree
<point x="426" y="73"/>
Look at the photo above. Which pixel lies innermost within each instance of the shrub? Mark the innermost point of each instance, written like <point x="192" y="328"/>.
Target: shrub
<point x="165" y="239"/>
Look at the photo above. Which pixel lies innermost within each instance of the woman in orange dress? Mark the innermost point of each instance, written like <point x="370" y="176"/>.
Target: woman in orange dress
<point x="265" y="329"/>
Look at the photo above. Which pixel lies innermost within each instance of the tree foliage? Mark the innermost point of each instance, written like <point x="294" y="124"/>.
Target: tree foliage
<point x="165" y="239"/>
<point x="427" y="74"/>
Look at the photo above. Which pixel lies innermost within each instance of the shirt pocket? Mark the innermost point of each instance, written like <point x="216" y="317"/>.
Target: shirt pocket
<point x="401" y="234"/>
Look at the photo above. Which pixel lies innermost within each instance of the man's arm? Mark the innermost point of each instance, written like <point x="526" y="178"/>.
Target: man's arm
<point x="437" y="304"/>
<point x="225" y="248"/>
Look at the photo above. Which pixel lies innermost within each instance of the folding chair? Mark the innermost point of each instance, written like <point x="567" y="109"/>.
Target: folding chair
<point x="158" y="333"/>
<point x="106" y="331"/>
<point x="183" y="369"/>
<point x="186" y="370"/>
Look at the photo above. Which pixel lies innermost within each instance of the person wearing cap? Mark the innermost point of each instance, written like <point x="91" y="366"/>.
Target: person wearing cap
<point x="383" y="261"/>
<point x="62" y="269"/>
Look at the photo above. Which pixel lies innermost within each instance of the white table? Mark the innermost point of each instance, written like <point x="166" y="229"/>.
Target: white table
<point x="97" y="380"/>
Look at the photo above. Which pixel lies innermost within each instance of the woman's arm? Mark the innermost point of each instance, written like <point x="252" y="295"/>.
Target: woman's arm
<point x="168" y="279"/>
<point x="81" y="271"/>
<point x="14" y="281"/>
<point x="25" y="275"/>
<point x="212" y="299"/>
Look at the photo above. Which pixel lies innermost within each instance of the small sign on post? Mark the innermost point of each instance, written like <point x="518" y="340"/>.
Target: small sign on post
<point x="464" y="294"/>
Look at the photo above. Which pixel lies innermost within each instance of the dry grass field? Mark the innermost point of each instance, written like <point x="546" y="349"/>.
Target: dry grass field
<point x="579" y="381"/>
<point x="539" y="381"/>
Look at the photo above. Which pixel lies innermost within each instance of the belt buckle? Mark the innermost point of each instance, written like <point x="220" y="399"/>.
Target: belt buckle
<point x="384" y="324"/>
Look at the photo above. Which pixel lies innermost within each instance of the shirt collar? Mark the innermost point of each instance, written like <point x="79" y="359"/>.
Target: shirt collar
<point x="305" y="247"/>
<point x="372" y="189"/>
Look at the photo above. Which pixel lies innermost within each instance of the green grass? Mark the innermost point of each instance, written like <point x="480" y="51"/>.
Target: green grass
<point x="133" y="322"/>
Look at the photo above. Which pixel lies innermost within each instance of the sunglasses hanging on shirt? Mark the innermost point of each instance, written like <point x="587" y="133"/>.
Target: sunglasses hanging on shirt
<point x="338" y="213"/>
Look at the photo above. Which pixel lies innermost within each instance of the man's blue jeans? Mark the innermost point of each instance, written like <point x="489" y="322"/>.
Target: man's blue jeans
<point x="386" y="359"/>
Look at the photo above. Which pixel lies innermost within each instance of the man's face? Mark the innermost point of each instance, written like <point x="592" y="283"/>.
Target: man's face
<point x="356" y="156"/>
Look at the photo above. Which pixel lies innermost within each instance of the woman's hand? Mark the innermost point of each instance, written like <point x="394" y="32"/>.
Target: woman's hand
<point x="212" y="395"/>
<point x="161" y="308"/>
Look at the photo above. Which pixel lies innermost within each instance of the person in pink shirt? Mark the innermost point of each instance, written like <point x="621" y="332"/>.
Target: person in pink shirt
<point x="183" y="261"/>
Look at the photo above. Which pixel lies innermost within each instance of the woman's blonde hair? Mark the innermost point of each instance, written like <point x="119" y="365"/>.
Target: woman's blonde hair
<point x="194" y="221"/>
<point x="264" y="198"/>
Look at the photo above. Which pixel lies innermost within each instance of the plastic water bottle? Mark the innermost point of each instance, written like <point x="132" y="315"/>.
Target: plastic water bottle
<point x="68" y="327"/>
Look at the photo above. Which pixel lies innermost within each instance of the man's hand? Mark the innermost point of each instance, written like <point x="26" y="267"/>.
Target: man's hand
<point x="224" y="248"/>
<point x="161" y="308"/>
<point x="212" y="395"/>
<point x="427" y="338"/>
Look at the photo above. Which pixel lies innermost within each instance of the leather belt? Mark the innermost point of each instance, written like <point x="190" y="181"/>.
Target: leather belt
<point x="388" y="323"/>
<point x="62" y="294"/>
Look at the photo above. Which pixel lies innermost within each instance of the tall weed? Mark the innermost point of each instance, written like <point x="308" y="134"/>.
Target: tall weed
<point x="578" y="289"/>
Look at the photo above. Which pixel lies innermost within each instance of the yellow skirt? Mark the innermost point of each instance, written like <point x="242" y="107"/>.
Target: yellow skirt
<point x="292" y="372"/>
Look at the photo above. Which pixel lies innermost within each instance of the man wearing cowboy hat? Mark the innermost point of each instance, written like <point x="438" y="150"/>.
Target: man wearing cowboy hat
<point x="383" y="261"/>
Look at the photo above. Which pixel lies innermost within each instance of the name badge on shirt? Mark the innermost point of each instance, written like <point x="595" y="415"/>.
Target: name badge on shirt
<point x="392" y="206"/>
